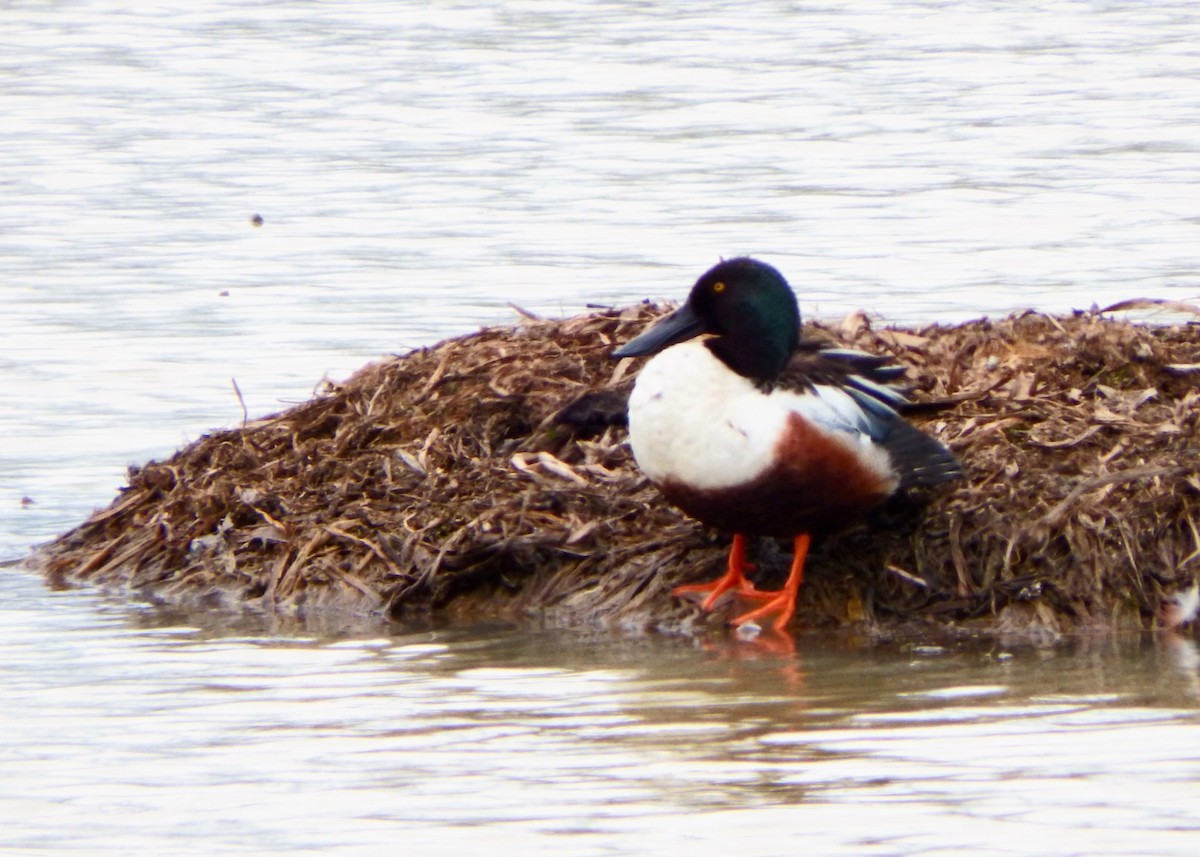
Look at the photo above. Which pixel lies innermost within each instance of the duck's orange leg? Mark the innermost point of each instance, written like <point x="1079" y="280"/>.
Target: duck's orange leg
<point x="733" y="578"/>
<point x="781" y="603"/>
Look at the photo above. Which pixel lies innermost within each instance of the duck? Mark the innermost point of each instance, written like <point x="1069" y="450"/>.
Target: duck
<point x="749" y="430"/>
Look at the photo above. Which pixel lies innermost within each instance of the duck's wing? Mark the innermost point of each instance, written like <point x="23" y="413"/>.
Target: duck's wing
<point x="870" y="374"/>
<point x="857" y="393"/>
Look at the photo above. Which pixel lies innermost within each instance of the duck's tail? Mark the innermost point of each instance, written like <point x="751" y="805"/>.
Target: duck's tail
<point x="918" y="458"/>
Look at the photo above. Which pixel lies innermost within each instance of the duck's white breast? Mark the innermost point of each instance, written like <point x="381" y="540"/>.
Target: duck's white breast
<point x="693" y="420"/>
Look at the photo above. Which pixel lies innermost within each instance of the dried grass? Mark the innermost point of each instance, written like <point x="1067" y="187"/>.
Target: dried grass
<point x="443" y="482"/>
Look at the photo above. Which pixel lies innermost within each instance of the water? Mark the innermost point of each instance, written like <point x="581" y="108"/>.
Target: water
<point x="420" y="166"/>
<point x="124" y="735"/>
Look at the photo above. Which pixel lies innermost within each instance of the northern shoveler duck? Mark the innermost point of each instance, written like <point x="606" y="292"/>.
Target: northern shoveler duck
<point x="751" y="431"/>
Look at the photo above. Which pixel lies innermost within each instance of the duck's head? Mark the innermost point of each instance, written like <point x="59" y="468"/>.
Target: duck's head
<point x="746" y="307"/>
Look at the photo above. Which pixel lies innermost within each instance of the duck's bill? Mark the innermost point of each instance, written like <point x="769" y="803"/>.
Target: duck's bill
<point x="679" y="326"/>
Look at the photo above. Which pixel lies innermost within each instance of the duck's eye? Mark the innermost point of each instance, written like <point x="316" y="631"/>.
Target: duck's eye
<point x="718" y="288"/>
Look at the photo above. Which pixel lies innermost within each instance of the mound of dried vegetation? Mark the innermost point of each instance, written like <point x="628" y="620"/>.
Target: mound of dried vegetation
<point x="488" y="476"/>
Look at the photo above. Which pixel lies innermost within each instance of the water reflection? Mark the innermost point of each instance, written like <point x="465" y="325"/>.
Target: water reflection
<point x="211" y="741"/>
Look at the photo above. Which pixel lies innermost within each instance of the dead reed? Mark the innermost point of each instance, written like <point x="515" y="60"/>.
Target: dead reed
<point x="487" y="476"/>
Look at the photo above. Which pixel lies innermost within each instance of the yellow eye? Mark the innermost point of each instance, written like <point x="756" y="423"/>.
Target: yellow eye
<point x="718" y="288"/>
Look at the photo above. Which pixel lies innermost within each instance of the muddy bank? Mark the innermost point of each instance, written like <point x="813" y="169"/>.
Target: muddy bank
<point x="470" y="480"/>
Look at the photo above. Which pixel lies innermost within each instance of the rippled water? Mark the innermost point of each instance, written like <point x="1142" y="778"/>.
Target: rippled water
<point x="420" y="166"/>
<point x="124" y="736"/>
